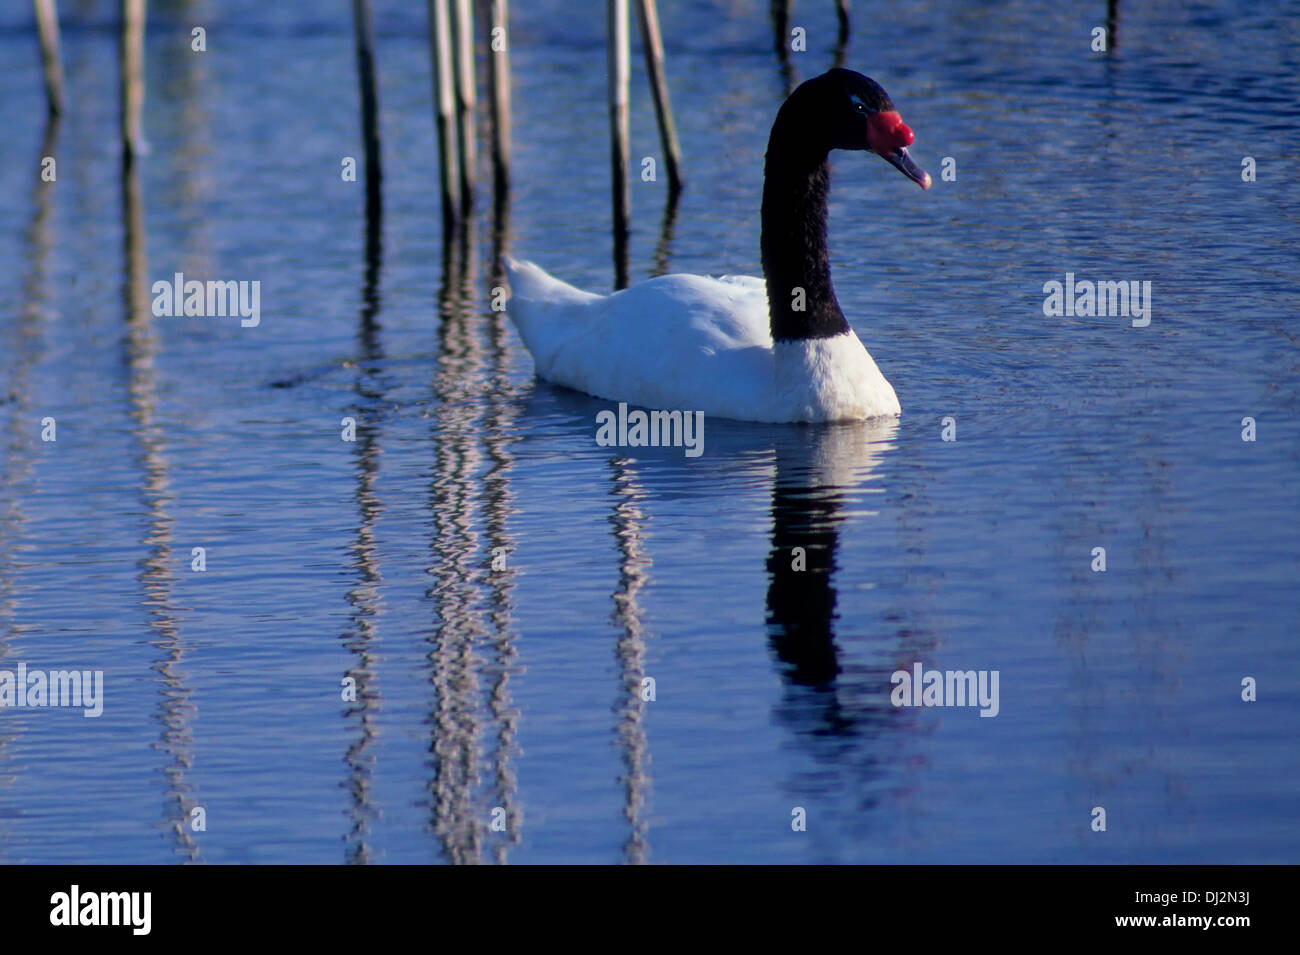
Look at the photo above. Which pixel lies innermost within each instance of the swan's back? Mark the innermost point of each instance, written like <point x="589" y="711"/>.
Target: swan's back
<point x="691" y="343"/>
<point x="650" y="344"/>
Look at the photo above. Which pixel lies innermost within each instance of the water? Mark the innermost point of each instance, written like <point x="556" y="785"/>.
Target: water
<point x="519" y="690"/>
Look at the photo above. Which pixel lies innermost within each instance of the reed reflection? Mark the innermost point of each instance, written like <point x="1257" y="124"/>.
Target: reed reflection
<point x="452" y="496"/>
<point x="157" y="575"/>
<point x="361" y="636"/>
<point x="473" y="654"/>
<point x="22" y="347"/>
<point x="499" y="424"/>
<point x="667" y="228"/>
<point x="629" y="522"/>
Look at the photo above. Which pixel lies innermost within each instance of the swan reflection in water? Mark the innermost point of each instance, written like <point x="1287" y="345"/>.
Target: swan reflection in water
<point x="819" y="471"/>
<point x="834" y="673"/>
<point x="821" y="477"/>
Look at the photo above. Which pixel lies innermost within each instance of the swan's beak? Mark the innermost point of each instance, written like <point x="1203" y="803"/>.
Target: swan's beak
<point x="901" y="160"/>
<point x="888" y="137"/>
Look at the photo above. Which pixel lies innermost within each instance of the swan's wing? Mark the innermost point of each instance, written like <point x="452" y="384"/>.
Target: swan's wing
<point x="652" y="343"/>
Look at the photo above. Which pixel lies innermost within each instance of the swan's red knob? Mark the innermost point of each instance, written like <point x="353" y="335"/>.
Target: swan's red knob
<point x="887" y="132"/>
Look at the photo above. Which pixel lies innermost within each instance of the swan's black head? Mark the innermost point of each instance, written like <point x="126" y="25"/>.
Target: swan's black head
<point x="837" y="110"/>
<point x="842" y="109"/>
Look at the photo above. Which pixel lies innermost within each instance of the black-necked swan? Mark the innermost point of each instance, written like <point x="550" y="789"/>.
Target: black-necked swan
<point x="730" y="346"/>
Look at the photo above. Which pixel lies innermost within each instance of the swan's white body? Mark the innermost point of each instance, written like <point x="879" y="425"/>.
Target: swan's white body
<point x="691" y="343"/>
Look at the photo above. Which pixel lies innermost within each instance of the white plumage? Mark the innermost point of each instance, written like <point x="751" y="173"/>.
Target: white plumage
<point x="694" y="343"/>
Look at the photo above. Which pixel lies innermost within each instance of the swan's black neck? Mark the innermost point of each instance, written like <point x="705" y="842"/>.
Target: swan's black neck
<point x="795" y="182"/>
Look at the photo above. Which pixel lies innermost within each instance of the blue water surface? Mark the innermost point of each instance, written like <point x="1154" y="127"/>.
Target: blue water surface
<point x="498" y="586"/>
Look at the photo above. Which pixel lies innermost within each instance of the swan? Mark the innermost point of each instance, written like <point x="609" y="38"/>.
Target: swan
<point x="773" y="350"/>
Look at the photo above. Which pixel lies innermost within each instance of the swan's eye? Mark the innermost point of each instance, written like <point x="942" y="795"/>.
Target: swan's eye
<point x="858" y="105"/>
